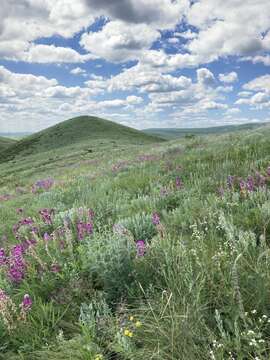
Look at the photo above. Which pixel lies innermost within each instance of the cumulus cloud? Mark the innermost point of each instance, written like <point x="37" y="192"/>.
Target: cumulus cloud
<point x="220" y="31"/>
<point x="258" y="84"/>
<point x="119" y="42"/>
<point x="161" y="14"/>
<point x="205" y="77"/>
<point x="228" y="78"/>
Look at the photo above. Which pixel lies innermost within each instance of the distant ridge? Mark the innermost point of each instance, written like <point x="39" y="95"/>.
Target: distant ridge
<point x="174" y="133"/>
<point x="82" y="129"/>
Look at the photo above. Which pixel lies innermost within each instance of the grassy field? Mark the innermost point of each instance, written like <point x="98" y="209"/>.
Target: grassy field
<point x="115" y="250"/>
<point x="172" y="133"/>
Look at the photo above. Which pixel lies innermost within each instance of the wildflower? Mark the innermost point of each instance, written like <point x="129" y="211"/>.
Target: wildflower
<point x="46" y="237"/>
<point x="230" y="181"/>
<point x="178" y="183"/>
<point x="84" y="229"/>
<point x="221" y="191"/>
<point x="138" y="324"/>
<point x="91" y="214"/>
<point x="7" y="310"/>
<point x="131" y="318"/>
<point x="155" y="219"/>
<point x="46" y="215"/>
<point x="55" y="268"/>
<point x="140" y="244"/>
<point x="99" y="357"/>
<point x="128" y="333"/>
<point x="2" y="256"/>
<point x="268" y="171"/>
<point x="26" y="303"/>
<point x="16" y="264"/>
<point x="250" y="183"/>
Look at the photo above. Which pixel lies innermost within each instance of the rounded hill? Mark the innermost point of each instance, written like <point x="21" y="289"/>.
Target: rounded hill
<point x="79" y="130"/>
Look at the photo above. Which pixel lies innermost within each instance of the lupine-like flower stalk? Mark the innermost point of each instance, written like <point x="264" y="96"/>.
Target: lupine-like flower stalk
<point x="46" y="215"/>
<point x="141" y="248"/>
<point x="155" y="219"/>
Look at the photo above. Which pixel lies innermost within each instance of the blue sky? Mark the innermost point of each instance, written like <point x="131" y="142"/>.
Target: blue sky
<point x="142" y="63"/>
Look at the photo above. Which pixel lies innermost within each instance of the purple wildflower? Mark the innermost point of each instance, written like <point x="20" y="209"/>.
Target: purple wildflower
<point x="46" y="215"/>
<point x="178" y="183"/>
<point x="91" y="214"/>
<point x="242" y="184"/>
<point x="46" y="237"/>
<point x="16" y="264"/>
<point x="250" y="183"/>
<point x="230" y="181"/>
<point x="3" y="257"/>
<point x="55" y="268"/>
<point x="155" y="218"/>
<point x="26" y="303"/>
<point x="268" y="171"/>
<point x="84" y="229"/>
<point x="140" y="245"/>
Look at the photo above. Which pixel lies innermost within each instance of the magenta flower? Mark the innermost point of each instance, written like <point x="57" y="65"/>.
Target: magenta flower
<point x="84" y="229"/>
<point x="26" y="303"/>
<point x="250" y="183"/>
<point x="46" y="215"/>
<point x="155" y="219"/>
<point x="141" y="248"/>
<point x="16" y="264"/>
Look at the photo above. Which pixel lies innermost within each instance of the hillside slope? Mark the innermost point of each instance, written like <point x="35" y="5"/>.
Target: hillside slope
<point x="83" y="129"/>
<point x="175" y="133"/>
<point x="5" y="143"/>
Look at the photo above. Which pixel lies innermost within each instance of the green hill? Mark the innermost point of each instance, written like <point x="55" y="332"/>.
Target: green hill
<point x="174" y="133"/>
<point x="83" y="130"/>
<point x="5" y="143"/>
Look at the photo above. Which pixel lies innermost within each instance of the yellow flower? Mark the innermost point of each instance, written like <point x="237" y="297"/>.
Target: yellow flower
<point x="130" y="334"/>
<point x="138" y="324"/>
<point x="131" y="318"/>
<point x="126" y="332"/>
<point x="99" y="357"/>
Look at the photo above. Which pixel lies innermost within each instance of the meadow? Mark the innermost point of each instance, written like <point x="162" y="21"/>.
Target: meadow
<point x="147" y="249"/>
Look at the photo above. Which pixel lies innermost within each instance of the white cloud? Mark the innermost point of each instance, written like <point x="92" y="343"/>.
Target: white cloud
<point x="53" y="54"/>
<point x="228" y="78"/>
<point x="161" y="14"/>
<point x="223" y="29"/>
<point x="205" y="77"/>
<point x="258" y="84"/>
<point x="78" y="71"/>
<point x="120" y="42"/>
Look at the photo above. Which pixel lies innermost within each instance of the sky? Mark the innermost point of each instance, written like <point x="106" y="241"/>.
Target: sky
<point x="141" y="63"/>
